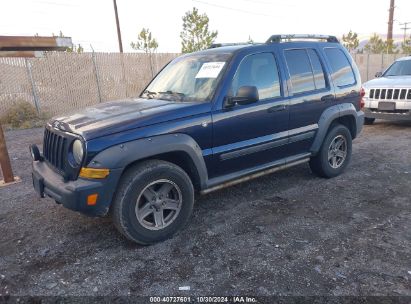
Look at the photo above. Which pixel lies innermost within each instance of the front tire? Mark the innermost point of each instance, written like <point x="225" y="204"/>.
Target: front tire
<point x="153" y="201"/>
<point x="334" y="154"/>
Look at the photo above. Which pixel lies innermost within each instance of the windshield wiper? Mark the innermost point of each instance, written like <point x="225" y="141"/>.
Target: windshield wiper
<point x="149" y="94"/>
<point x="178" y="94"/>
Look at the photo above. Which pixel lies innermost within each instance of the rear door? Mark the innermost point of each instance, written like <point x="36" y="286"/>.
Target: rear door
<point x="310" y="94"/>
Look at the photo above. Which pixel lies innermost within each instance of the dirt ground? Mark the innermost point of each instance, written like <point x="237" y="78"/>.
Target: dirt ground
<point x="289" y="233"/>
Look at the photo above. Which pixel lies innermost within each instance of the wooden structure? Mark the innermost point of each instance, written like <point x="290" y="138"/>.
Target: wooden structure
<point x="24" y="46"/>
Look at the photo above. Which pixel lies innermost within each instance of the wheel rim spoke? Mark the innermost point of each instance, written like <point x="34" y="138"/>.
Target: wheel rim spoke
<point x="165" y="189"/>
<point x="334" y="161"/>
<point x="145" y="211"/>
<point x="340" y="154"/>
<point x="171" y="204"/>
<point x="339" y="143"/>
<point x="159" y="218"/>
<point x="149" y="194"/>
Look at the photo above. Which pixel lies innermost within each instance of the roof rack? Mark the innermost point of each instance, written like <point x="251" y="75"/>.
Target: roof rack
<point x="278" y="38"/>
<point x="217" y="45"/>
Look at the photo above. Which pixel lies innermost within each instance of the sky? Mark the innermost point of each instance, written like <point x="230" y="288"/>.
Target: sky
<point x="92" y="23"/>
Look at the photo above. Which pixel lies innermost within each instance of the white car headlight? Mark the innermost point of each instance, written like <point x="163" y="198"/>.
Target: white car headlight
<point x="78" y="151"/>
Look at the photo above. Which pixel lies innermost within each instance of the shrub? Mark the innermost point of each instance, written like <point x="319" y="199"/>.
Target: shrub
<point x="21" y="115"/>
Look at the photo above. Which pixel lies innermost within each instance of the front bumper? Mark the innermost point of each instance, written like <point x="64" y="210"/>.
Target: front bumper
<point x="386" y="115"/>
<point x="73" y="194"/>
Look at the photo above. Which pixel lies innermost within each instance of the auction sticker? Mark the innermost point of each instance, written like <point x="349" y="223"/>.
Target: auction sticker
<point x="210" y="70"/>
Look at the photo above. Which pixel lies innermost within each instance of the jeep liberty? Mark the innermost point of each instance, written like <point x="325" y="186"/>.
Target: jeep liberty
<point x="208" y="120"/>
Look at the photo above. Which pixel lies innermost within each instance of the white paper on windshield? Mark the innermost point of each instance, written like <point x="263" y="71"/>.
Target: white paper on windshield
<point x="210" y="70"/>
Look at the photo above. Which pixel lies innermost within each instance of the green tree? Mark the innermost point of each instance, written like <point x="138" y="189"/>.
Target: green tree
<point x="145" y="42"/>
<point x="351" y="41"/>
<point x="195" y="35"/>
<point x="375" y="45"/>
<point x="406" y="46"/>
<point x="390" y="47"/>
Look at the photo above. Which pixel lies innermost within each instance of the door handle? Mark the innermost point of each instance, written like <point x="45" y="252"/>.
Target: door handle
<point x="277" y="108"/>
<point x="329" y="97"/>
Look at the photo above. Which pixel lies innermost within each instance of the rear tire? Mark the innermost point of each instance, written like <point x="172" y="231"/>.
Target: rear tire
<point x="153" y="201"/>
<point x="334" y="154"/>
<point x="368" y="121"/>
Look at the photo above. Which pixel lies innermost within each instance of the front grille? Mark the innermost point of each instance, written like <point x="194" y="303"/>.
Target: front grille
<point x="390" y="94"/>
<point x="54" y="149"/>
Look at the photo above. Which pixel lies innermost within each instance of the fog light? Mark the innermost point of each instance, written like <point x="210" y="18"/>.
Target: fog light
<point x="92" y="199"/>
<point x="35" y="152"/>
<point x="94" y="173"/>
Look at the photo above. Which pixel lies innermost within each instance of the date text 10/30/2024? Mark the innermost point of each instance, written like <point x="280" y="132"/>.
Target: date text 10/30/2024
<point x="203" y="299"/>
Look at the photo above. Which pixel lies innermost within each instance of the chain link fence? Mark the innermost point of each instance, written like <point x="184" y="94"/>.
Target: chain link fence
<point x="62" y="82"/>
<point x="369" y="64"/>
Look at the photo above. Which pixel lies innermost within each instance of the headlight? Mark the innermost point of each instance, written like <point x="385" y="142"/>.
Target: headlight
<point x="78" y="151"/>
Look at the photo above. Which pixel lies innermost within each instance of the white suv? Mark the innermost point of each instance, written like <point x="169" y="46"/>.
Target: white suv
<point x="389" y="95"/>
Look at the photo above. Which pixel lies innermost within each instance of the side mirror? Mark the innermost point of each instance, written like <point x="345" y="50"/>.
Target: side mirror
<point x="245" y="95"/>
<point x="378" y="74"/>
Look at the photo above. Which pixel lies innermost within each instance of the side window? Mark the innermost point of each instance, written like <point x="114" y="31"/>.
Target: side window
<point x="299" y="67"/>
<point x="318" y="72"/>
<point x="341" y="68"/>
<point x="258" y="70"/>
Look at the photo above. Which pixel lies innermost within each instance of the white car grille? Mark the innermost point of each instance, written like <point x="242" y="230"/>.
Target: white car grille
<point x="390" y="94"/>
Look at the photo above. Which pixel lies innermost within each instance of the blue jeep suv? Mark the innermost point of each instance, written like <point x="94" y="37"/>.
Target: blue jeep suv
<point x="208" y="120"/>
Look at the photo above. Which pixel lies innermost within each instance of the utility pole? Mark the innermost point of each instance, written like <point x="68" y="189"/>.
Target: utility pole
<point x="120" y="44"/>
<point x="405" y="28"/>
<point x="390" y="20"/>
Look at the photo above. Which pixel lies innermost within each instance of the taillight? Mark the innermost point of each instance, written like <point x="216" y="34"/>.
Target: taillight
<point x="362" y="99"/>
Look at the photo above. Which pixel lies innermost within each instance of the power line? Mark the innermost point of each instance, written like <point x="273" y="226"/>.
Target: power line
<point x="231" y="8"/>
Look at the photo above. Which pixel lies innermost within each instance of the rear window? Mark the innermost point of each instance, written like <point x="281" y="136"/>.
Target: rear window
<point x="342" y="73"/>
<point x="299" y="67"/>
<point x="306" y="71"/>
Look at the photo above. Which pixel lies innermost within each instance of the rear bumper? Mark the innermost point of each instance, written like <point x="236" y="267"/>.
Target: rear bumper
<point x="386" y="115"/>
<point x="73" y="194"/>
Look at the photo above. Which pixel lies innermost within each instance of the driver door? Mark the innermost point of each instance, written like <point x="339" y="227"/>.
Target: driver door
<point x="252" y="135"/>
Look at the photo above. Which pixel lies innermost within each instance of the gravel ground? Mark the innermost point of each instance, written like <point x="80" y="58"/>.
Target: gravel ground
<point x="289" y="233"/>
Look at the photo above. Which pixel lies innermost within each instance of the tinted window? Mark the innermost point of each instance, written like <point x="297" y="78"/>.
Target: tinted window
<point x="319" y="78"/>
<point x="258" y="70"/>
<point x="299" y="67"/>
<point x="341" y="68"/>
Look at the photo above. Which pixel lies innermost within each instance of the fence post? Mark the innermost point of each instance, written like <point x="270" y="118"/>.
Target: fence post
<point x="5" y="164"/>
<point x="93" y="57"/>
<point x="368" y="64"/>
<point x="382" y="61"/>
<point x="151" y="64"/>
<point x="33" y="86"/>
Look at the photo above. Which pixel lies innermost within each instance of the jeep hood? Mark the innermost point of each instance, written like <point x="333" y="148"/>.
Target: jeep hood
<point x="389" y="82"/>
<point x="117" y="116"/>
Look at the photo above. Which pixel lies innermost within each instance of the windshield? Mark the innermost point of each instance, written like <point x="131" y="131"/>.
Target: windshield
<point x="191" y="78"/>
<point x="399" y="68"/>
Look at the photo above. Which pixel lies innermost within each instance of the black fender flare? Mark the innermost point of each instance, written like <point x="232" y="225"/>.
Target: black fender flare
<point x="121" y="155"/>
<point x="332" y="113"/>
